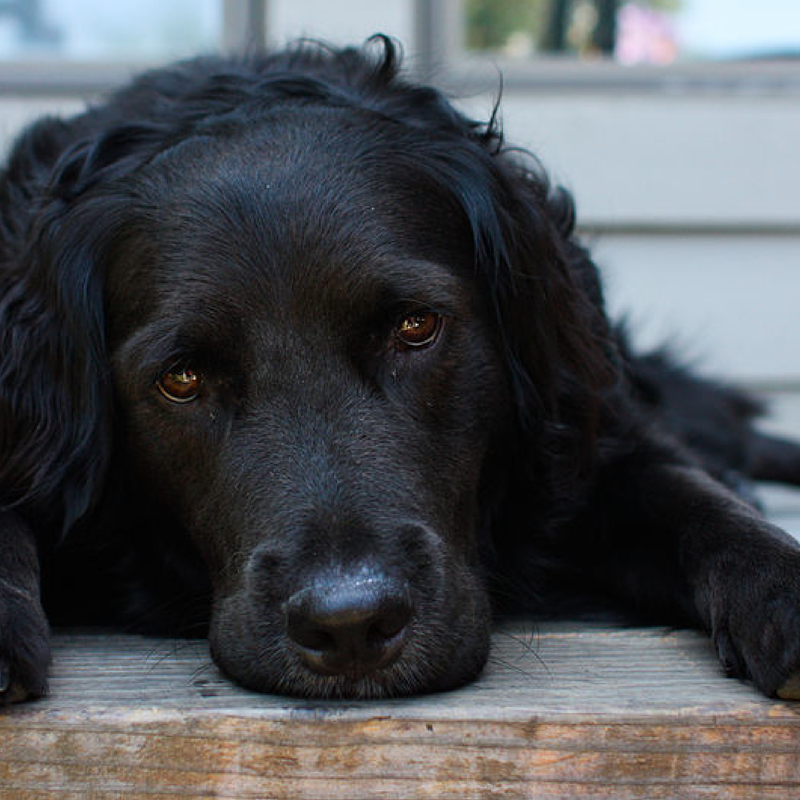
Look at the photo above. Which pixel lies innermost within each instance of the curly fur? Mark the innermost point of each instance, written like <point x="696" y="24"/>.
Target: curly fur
<point x="226" y="213"/>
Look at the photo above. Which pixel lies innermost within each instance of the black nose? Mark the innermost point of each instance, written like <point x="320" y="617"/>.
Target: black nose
<point x="349" y="625"/>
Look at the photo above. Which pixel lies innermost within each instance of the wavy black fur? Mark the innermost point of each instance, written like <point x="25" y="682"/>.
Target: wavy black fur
<point x="222" y="213"/>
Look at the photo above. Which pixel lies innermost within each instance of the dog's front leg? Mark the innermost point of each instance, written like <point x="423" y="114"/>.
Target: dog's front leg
<point x="24" y="634"/>
<point x="676" y="540"/>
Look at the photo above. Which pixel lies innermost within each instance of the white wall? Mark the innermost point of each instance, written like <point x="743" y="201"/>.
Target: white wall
<point x="686" y="160"/>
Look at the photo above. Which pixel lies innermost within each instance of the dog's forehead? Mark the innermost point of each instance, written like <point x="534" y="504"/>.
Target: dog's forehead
<point x="306" y="182"/>
<point x="299" y="214"/>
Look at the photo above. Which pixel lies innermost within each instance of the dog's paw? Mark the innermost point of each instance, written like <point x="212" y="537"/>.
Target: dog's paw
<point x="24" y="648"/>
<point x="758" y="637"/>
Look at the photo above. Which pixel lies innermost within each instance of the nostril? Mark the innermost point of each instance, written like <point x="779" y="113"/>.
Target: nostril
<point x="390" y="620"/>
<point x="308" y="635"/>
<point x="349" y="626"/>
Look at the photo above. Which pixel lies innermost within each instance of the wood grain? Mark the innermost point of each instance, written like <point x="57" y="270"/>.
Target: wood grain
<point x="564" y="710"/>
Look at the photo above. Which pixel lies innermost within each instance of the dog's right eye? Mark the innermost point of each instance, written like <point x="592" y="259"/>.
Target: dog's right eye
<point x="180" y="384"/>
<point x="419" y="329"/>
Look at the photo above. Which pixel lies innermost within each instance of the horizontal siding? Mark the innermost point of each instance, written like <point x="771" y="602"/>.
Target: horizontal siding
<point x="729" y="302"/>
<point x="689" y="160"/>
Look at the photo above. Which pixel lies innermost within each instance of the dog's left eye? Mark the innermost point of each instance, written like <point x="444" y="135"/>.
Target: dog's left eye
<point x="419" y="329"/>
<point x="180" y="384"/>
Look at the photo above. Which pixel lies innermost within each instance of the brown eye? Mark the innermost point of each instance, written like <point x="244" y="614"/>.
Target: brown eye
<point x="420" y="329"/>
<point x="180" y="385"/>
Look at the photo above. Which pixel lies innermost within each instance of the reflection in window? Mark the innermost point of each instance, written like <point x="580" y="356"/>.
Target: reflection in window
<point x="634" y="31"/>
<point x="105" y="30"/>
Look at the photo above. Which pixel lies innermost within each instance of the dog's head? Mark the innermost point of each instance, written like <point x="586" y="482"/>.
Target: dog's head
<point x="320" y="320"/>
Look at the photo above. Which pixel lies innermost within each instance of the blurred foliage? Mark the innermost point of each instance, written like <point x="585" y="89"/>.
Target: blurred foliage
<point x="492" y="24"/>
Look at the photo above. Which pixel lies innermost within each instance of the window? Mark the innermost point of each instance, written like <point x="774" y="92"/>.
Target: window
<point x="78" y="47"/>
<point x="633" y="31"/>
<point x="617" y="45"/>
<point x="55" y="46"/>
<point x="123" y="30"/>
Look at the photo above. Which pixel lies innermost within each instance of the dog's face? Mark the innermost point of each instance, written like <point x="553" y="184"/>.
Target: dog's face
<point x="309" y="382"/>
<point x="296" y="329"/>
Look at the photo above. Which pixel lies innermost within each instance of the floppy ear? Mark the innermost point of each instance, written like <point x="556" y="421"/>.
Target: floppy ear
<point x="561" y="357"/>
<point x="552" y="307"/>
<point x="55" y="437"/>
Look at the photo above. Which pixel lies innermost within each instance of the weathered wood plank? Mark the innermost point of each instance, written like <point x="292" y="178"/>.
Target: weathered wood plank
<point x="563" y="710"/>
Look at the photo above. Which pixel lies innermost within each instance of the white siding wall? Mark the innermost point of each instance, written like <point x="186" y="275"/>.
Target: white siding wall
<point x="691" y="159"/>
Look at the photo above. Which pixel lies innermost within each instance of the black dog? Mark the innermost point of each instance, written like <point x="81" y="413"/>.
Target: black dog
<point x="292" y="349"/>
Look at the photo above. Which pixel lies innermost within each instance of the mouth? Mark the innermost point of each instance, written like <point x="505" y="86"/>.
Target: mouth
<point x="357" y="656"/>
<point x="416" y="675"/>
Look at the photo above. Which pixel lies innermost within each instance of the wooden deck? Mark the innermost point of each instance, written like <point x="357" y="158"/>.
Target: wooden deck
<point x="564" y="710"/>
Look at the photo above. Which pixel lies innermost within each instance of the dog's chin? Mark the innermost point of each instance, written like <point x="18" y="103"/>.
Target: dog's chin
<point x="401" y="680"/>
<point x="435" y="659"/>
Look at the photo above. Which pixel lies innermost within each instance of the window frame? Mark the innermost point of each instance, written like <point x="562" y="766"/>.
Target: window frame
<point x="440" y="34"/>
<point x="438" y="56"/>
